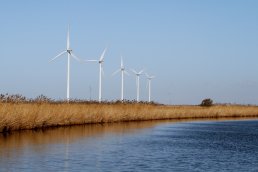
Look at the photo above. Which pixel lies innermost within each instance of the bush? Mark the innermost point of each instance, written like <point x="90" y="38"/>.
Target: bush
<point x="207" y="103"/>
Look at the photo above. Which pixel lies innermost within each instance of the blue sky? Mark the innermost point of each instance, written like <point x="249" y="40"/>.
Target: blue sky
<point x="196" y="49"/>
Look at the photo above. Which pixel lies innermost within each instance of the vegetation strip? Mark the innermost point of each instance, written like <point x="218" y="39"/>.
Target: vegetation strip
<point x="40" y="114"/>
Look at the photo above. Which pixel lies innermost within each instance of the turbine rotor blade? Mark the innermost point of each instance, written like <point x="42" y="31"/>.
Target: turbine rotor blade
<point x="58" y="56"/>
<point x="91" y="60"/>
<point x="122" y="64"/>
<point x="126" y="73"/>
<point x="133" y="71"/>
<point x="141" y="71"/>
<point x="76" y="58"/>
<point x="115" y="72"/>
<point x="102" y="55"/>
<point x="68" y="38"/>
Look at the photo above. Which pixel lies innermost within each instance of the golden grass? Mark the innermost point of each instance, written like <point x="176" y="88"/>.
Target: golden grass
<point x="19" y="116"/>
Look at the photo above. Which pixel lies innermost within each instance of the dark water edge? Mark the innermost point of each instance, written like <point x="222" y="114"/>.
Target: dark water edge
<point x="184" y="145"/>
<point x="7" y="130"/>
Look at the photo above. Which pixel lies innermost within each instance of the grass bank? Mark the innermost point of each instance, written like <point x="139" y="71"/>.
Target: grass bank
<point x="20" y="116"/>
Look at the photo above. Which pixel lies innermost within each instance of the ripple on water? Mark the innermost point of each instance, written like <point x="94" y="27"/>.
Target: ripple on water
<point x="139" y="146"/>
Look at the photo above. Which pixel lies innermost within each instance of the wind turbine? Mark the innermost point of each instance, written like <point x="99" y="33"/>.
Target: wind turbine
<point x="69" y="55"/>
<point x="122" y="69"/>
<point x="100" y="61"/>
<point x="137" y="82"/>
<point x="149" y="78"/>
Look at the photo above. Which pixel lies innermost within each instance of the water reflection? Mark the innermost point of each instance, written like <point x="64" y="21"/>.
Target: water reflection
<point x="65" y="135"/>
<point x="69" y="134"/>
<point x="17" y="144"/>
<point x="94" y="145"/>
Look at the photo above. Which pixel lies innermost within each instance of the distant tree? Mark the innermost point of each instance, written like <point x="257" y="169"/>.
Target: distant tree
<point x="207" y="102"/>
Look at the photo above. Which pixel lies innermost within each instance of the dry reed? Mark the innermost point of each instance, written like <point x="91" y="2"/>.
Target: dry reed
<point x="19" y="116"/>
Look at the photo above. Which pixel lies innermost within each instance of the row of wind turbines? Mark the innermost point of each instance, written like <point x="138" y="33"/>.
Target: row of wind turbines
<point x="70" y="55"/>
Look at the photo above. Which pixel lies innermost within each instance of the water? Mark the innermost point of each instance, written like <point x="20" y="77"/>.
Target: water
<point x="138" y="146"/>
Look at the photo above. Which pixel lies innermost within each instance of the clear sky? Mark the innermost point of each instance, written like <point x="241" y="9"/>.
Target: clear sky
<point x="196" y="49"/>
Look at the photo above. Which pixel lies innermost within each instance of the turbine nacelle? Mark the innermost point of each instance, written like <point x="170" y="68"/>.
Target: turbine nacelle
<point x="137" y="73"/>
<point x="70" y="55"/>
<point x="149" y="77"/>
<point x="69" y="51"/>
<point x="137" y="83"/>
<point x="122" y="69"/>
<point x="101" y="72"/>
<point x="101" y="59"/>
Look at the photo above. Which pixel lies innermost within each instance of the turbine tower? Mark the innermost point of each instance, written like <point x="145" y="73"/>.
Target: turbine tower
<point x="69" y="55"/>
<point x="149" y="78"/>
<point x="137" y="83"/>
<point x="100" y="61"/>
<point x="122" y="69"/>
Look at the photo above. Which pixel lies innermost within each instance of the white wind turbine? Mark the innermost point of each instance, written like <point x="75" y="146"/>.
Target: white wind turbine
<point x="69" y="55"/>
<point x="100" y="61"/>
<point x="137" y="82"/>
<point x="122" y="69"/>
<point x="149" y="78"/>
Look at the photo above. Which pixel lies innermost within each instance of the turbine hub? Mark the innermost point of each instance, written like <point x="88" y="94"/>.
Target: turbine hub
<point x="69" y="51"/>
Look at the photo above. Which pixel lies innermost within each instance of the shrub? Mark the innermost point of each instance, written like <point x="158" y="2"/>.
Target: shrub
<point x="207" y="102"/>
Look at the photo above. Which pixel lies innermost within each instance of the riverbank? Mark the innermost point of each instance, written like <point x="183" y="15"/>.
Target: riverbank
<point x="21" y="116"/>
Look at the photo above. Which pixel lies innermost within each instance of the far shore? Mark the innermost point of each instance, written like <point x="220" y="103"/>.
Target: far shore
<point x="24" y="116"/>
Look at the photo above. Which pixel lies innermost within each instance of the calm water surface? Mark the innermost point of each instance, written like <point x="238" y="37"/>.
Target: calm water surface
<point x="138" y="146"/>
